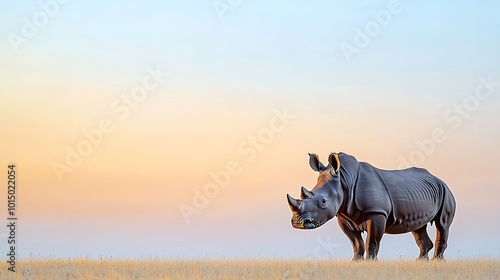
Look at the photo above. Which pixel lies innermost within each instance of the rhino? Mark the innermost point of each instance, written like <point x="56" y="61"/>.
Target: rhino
<point x="366" y="198"/>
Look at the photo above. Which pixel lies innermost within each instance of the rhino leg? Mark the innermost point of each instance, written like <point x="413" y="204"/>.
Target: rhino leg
<point x="375" y="226"/>
<point x="443" y="221"/>
<point x="423" y="242"/>
<point x="441" y="242"/>
<point x="354" y="236"/>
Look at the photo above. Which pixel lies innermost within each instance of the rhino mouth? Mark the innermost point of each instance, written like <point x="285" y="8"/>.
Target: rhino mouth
<point x="311" y="223"/>
<point x="306" y="223"/>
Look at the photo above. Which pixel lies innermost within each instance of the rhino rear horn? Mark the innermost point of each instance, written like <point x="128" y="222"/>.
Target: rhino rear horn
<point x="305" y="194"/>
<point x="294" y="203"/>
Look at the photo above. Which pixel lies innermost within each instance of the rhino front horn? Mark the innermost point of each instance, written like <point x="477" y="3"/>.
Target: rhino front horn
<point x="305" y="193"/>
<point x="294" y="203"/>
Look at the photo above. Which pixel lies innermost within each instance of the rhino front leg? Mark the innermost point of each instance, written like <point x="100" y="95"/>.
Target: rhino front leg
<point x="354" y="236"/>
<point x="375" y="226"/>
<point x="423" y="242"/>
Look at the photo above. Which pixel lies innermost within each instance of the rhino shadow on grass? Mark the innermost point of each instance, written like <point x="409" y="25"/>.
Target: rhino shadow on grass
<point x="365" y="198"/>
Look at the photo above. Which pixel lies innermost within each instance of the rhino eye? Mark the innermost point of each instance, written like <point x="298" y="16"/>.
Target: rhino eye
<point x="322" y="203"/>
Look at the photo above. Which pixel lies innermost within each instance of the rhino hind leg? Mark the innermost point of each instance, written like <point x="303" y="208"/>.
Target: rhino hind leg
<point x="375" y="226"/>
<point x="443" y="221"/>
<point x="423" y="242"/>
<point x="354" y="236"/>
<point x="441" y="242"/>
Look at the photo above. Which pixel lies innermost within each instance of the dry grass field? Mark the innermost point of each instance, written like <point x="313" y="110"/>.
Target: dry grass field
<point x="252" y="269"/>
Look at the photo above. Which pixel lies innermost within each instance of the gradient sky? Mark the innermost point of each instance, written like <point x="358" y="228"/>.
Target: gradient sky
<point x="227" y="77"/>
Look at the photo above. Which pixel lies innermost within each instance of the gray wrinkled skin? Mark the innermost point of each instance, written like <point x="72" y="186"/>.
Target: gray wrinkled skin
<point x="365" y="198"/>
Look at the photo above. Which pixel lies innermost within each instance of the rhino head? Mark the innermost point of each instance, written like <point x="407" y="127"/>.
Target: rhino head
<point x="316" y="207"/>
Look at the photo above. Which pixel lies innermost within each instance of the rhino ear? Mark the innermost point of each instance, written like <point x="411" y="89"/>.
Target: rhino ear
<point x="334" y="161"/>
<point x="315" y="164"/>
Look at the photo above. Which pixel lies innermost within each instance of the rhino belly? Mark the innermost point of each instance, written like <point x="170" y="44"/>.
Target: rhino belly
<point x="405" y="226"/>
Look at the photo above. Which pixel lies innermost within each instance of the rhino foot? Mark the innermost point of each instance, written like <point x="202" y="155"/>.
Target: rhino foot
<point x="358" y="258"/>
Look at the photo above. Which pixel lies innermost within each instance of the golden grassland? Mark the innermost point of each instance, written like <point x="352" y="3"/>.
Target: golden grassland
<point x="252" y="269"/>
